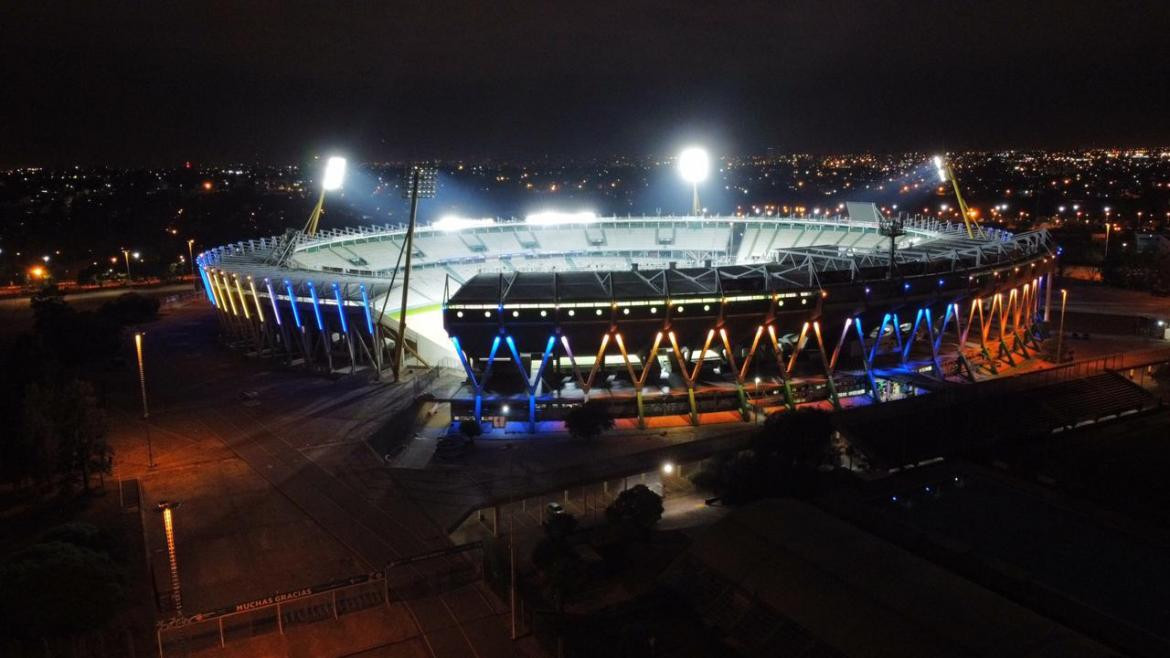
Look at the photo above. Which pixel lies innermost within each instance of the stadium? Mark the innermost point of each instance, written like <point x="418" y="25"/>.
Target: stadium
<point x="658" y="316"/>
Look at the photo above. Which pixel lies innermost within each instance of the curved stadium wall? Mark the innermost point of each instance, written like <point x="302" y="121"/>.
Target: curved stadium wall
<point x="659" y="315"/>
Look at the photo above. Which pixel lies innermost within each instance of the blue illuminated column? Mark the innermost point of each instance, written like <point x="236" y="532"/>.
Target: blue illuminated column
<point x="340" y="308"/>
<point x="531" y="383"/>
<point x="316" y="307"/>
<point x="366" y="308"/>
<point x="292" y="302"/>
<point x="207" y="287"/>
<point x="478" y="385"/>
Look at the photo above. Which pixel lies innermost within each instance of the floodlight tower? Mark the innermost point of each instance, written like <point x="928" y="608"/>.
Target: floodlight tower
<point x="418" y="183"/>
<point x="891" y="227"/>
<point x="332" y="180"/>
<point x="945" y="173"/>
<point x="693" y="165"/>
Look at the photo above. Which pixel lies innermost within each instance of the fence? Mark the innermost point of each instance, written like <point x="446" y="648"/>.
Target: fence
<point x="283" y="611"/>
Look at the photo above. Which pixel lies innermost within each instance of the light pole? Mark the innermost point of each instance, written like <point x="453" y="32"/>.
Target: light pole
<point x="332" y="179"/>
<point x="191" y="260"/>
<point x="168" y="513"/>
<point x="126" y="254"/>
<point x="693" y="165"/>
<point x="1108" y="230"/>
<point x="142" y="387"/>
<point x="759" y="400"/>
<point x="1060" y="334"/>
<point x="420" y="184"/>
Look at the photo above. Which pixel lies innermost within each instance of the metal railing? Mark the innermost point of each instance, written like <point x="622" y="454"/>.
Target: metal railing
<point x="280" y="612"/>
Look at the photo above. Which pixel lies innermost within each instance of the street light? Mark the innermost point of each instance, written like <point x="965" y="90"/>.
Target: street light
<point x="191" y="260"/>
<point x="168" y="512"/>
<point x="1060" y="334"/>
<point x="693" y="166"/>
<point x="126" y="254"/>
<point x="142" y="387"/>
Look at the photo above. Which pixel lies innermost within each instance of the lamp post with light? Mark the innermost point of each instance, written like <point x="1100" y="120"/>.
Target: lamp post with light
<point x="191" y="260"/>
<point x="694" y="165"/>
<point x="142" y="388"/>
<point x="167" y="508"/>
<point x="1060" y="333"/>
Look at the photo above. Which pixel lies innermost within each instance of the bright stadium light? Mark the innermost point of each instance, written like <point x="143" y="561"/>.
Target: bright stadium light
<point x="334" y="173"/>
<point x="942" y="171"/>
<point x="553" y="218"/>
<point x="694" y="165"/>
<point x="456" y="223"/>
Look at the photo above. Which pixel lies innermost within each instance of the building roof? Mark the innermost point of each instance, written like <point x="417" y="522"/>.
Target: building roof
<point x="781" y="576"/>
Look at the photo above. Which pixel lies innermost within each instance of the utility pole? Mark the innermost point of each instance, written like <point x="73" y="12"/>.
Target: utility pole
<point x="419" y="183"/>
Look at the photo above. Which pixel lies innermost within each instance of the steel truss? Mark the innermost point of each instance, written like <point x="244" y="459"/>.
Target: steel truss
<point x="1006" y="323"/>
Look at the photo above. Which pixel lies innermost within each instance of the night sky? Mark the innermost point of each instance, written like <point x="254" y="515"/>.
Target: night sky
<point x="158" y="83"/>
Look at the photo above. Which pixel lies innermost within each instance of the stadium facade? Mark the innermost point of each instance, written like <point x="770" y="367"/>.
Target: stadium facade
<point x="657" y="315"/>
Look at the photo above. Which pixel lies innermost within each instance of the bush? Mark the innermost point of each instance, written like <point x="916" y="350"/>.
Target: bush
<point x="589" y="421"/>
<point x="83" y="535"/>
<point x="470" y="429"/>
<point x="57" y="589"/>
<point x="635" y="511"/>
<point x="131" y="308"/>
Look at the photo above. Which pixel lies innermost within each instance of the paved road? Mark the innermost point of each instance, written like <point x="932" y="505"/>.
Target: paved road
<point x="302" y="435"/>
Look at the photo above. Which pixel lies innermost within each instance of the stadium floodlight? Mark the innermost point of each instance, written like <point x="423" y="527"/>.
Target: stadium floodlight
<point x="419" y="181"/>
<point x="331" y="180"/>
<point x="947" y="174"/>
<point x="334" y="173"/>
<point x="456" y="223"/>
<point x="694" y="165"/>
<point x="554" y="218"/>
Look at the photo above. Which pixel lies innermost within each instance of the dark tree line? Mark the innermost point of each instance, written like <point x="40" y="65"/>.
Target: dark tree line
<point x="54" y="425"/>
<point x="784" y="459"/>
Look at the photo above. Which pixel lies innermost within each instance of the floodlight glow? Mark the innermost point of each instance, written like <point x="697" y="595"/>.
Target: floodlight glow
<point x="553" y="218"/>
<point x="456" y="223"/>
<point x="693" y="164"/>
<point x="334" y="173"/>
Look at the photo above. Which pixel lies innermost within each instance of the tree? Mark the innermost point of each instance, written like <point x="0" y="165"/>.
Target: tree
<point x="470" y="429"/>
<point x="635" y="511"/>
<point x="131" y="308"/>
<point x="792" y="446"/>
<point x="558" y="527"/>
<point x="589" y="421"/>
<point x="81" y="426"/>
<point x="563" y="572"/>
<point x="63" y="432"/>
<point x="57" y="589"/>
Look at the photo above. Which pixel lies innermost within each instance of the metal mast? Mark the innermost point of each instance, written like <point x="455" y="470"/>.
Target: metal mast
<point x="891" y="227"/>
<point x="419" y="182"/>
